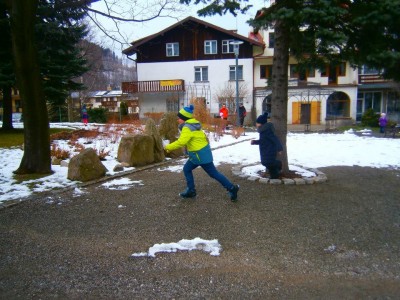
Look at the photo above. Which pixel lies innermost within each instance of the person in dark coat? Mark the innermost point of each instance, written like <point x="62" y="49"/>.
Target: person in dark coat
<point x="242" y="114"/>
<point x="270" y="146"/>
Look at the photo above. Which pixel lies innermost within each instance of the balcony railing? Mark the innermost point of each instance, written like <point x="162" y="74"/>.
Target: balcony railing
<point x="153" y="86"/>
<point x="371" y="78"/>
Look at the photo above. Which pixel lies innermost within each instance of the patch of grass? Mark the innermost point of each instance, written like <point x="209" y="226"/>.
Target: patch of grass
<point x="11" y="138"/>
<point x="15" y="137"/>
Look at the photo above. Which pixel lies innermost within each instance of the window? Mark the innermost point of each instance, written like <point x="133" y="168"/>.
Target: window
<point x="265" y="71"/>
<point x="393" y="106"/>
<point x="232" y="72"/>
<point x="338" y="105"/>
<point x="172" y="104"/>
<point x="372" y="100"/>
<point x="334" y="70"/>
<point x="342" y="69"/>
<point x="293" y="71"/>
<point x="368" y="70"/>
<point x="301" y="73"/>
<point x="200" y="73"/>
<point x="227" y="47"/>
<point x="311" y="72"/>
<point x="172" y="49"/>
<point x="271" y="40"/>
<point x="210" y="47"/>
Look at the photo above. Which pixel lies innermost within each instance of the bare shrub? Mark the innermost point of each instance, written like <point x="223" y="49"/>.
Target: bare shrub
<point x="237" y="131"/>
<point x="59" y="153"/>
<point x="156" y="116"/>
<point x="201" y="112"/>
<point x="102" y="153"/>
<point x="63" y="135"/>
<point x="78" y="147"/>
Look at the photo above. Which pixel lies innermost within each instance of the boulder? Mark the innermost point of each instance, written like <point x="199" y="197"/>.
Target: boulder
<point x="169" y="131"/>
<point x="136" y="150"/>
<point x="55" y="160"/>
<point x="118" y="168"/>
<point x="151" y="129"/>
<point x="86" y="166"/>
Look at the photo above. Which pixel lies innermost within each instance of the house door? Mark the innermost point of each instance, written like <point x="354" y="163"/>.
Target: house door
<point x="305" y="114"/>
<point x="266" y="105"/>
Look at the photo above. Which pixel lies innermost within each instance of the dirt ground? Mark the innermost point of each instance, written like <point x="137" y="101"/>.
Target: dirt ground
<point x="334" y="240"/>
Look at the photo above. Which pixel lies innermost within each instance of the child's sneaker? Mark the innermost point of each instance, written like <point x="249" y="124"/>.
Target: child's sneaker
<point x="188" y="193"/>
<point x="233" y="192"/>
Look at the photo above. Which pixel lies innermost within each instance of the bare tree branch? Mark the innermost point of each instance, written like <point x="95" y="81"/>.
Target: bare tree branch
<point x="112" y="16"/>
<point x="162" y="8"/>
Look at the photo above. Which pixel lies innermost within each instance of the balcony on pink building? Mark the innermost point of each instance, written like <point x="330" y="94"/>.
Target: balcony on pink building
<point x="371" y="78"/>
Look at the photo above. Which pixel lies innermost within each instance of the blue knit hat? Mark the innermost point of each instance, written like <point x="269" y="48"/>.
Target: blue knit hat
<point x="186" y="113"/>
<point x="262" y="119"/>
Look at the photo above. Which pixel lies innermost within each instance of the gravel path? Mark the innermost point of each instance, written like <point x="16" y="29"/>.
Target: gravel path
<point x="336" y="240"/>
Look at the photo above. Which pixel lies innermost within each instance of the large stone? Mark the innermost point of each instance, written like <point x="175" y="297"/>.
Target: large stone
<point x="86" y="166"/>
<point x="169" y="131"/>
<point x="151" y="129"/>
<point x="136" y="150"/>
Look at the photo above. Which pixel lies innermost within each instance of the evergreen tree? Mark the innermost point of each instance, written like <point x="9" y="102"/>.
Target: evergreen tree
<point x="318" y="32"/>
<point x="59" y="33"/>
<point x="43" y="34"/>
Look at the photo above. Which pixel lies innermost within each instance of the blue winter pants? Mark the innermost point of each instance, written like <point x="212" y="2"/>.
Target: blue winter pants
<point x="210" y="169"/>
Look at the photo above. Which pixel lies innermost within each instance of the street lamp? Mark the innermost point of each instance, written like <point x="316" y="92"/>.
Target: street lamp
<point x="236" y="51"/>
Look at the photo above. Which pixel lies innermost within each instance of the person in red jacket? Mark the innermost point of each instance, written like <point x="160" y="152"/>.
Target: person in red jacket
<point x="223" y="112"/>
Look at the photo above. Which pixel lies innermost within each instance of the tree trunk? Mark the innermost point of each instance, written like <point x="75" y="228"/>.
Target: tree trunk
<point x="36" y="158"/>
<point x="7" y="108"/>
<point x="279" y="103"/>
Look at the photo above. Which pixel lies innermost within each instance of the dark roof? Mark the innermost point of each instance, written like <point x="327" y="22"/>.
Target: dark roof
<point x="137" y="43"/>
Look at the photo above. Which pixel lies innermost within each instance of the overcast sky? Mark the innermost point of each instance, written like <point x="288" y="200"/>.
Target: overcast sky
<point x="131" y="31"/>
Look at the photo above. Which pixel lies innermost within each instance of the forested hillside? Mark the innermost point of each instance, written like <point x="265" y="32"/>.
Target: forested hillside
<point x="106" y="68"/>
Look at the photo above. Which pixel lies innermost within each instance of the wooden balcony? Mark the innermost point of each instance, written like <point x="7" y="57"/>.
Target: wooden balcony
<point x="371" y="78"/>
<point x="153" y="86"/>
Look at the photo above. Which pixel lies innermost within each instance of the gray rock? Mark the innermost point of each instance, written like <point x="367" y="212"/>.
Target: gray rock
<point x="299" y="181"/>
<point x="136" y="150"/>
<point x="288" y="181"/>
<point x="86" y="166"/>
<point x="253" y="178"/>
<point x="118" y="168"/>
<point x="158" y="149"/>
<point x="275" y="181"/>
<point x="55" y="160"/>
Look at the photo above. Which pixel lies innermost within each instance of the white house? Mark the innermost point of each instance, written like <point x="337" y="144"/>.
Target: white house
<point x="192" y="59"/>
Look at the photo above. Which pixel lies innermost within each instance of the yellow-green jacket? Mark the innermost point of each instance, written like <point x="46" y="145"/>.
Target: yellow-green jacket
<point x="195" y="140"/>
